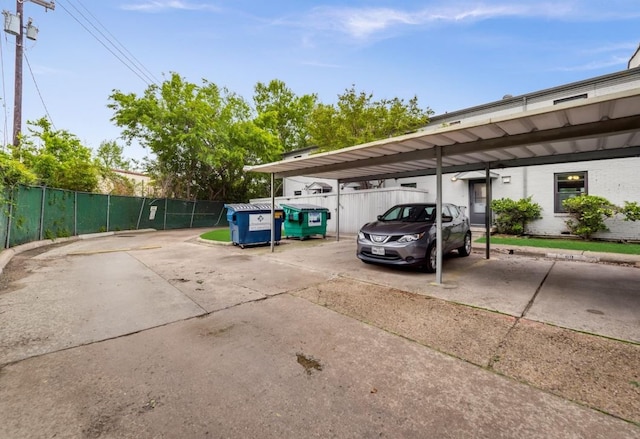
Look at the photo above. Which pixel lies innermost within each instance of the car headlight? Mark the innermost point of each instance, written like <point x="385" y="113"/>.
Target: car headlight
<point x="360" y="235"/>
<point x="411" y="238"/>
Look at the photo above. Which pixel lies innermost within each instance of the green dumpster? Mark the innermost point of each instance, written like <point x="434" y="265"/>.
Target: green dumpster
<point x="304" y="220"/>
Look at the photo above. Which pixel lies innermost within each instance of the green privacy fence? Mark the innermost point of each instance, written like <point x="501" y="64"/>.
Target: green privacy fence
<point x="34" y="213"/>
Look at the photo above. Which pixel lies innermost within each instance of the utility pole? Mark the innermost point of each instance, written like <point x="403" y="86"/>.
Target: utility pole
<point x="17" y="100"/>
<point x="17" y="90"/>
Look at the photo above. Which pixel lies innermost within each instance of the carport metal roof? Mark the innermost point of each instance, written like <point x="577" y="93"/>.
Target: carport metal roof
<point x="601" y="127"/>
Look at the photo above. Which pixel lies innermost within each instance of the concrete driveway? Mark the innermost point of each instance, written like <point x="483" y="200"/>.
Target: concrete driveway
<point x="159" y="335"/>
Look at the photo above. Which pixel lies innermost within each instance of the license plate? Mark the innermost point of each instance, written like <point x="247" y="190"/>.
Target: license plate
<point x="377" y="251"/>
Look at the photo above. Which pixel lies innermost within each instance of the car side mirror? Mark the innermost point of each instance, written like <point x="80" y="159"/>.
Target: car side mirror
<point x="447" y="218"/>
<point x="379" y="217"/>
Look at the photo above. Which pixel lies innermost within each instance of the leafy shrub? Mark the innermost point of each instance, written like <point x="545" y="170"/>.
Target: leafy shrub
<point x="631" y="211"/>
<point x="512" y="216"/>
<point x="13" y="172"/>
<point x="588" y="214"/>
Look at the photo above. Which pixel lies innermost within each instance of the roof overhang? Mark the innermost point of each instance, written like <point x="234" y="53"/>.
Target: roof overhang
<point x="473" y="175"/>
<point x="597" y="128"/>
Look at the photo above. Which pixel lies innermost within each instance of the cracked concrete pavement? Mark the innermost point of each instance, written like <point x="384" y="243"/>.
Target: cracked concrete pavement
<point x="159" y="335"/>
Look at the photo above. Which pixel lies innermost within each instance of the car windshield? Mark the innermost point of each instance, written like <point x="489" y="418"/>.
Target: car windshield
<point x="419" y="213"/>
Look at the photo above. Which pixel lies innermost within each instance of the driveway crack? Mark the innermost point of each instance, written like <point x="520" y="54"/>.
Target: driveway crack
<point x="495" y="356"/>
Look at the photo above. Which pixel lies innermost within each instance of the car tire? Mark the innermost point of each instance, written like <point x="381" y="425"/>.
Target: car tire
<point x="465" y="250"/>
<point x="431" y="259"/>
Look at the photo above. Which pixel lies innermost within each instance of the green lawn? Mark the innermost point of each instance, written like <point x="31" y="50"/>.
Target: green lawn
<point x="567" y="244"/>
<point x="222" y="235"/>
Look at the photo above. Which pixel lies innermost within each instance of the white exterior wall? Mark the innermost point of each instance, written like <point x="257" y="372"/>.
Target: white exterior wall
<point x="617" y="180"/>
<point x="357" y="207"/>
<point x="451" y="193"/>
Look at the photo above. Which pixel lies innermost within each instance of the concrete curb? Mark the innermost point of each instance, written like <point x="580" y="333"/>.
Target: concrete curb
<point x="568" y="255"/>
<point x="7" y="254"/>
<point x="211" y="242"/>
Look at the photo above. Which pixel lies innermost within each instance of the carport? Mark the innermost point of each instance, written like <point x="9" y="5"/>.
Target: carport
<point x="601" y="127"/>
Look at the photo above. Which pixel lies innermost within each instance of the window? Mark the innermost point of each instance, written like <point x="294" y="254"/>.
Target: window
<point x="413" y="185"/>
<point x="454" y="211"/>
<point x="568" y="185"/>
<point x="296" y="193"/>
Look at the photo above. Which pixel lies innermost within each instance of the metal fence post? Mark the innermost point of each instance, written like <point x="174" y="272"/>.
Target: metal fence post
<point x="44" y="193"/>
<point x="165" y="213"/>
<point x="193" y="211"/>
<point x="108" y="209"/>
<point x="75" y="213"/>
<point x="140" y="214"/>
<point x="9" y="220"/>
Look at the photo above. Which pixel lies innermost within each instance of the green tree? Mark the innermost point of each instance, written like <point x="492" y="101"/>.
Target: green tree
<point x="202" y="137"/>
<point x="588" y="214"/>
<point x="357" y="119"/>
<point x="283" y="114"/>
<point x="57" y="157"/>
<point x="109" y="159"/>
<point x="512" y="216"/>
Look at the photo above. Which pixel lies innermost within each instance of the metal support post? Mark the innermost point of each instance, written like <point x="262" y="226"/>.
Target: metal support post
<point x="338" y="214"/>
<point x="438" y="214"/>
<point x="487" y="212"/>
<point x="273" y="213"/>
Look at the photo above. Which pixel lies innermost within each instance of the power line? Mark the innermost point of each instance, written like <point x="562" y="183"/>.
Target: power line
<point x="148" y="73"/>
<point x="38" y="90"/>
<point x="138" y="74"/>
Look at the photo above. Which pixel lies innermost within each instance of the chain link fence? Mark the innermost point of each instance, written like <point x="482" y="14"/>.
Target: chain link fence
<point x="33" y="213"/>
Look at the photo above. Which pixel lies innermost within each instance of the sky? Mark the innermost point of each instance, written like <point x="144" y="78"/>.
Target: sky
<point x="450" y="54"/>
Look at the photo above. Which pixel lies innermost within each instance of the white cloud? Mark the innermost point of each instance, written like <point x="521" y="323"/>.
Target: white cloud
<point x="596" y="65"/>
<point x="163" y="5"/>
<point x="365" y="23"/>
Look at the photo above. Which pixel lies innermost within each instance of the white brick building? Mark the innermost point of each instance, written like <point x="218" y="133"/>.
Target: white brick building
<point x="617" y="180"/>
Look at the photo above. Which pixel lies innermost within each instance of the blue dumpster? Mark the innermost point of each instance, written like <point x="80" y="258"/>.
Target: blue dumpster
<point x="251" y="223"/>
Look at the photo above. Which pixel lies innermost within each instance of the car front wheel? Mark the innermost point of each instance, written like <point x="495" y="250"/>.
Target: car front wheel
<point x="432" y="259"/>
<point x="465" y="250"/>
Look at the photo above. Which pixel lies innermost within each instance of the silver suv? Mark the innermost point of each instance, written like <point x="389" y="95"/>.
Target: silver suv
<point x="406" y="235"/>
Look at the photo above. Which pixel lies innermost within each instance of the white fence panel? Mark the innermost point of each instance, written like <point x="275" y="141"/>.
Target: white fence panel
<point x="357" y="207"/>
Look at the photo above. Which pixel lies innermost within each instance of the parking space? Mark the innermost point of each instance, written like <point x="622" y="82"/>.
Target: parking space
<point x="597" y="298"/>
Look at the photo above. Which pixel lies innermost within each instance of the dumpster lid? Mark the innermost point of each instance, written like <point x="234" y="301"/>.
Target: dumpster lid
<point x="240" y="207"/>
<point x="304" y="207"/>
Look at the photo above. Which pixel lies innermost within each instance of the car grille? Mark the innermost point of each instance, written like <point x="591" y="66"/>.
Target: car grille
<point x="381" y="239"/>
